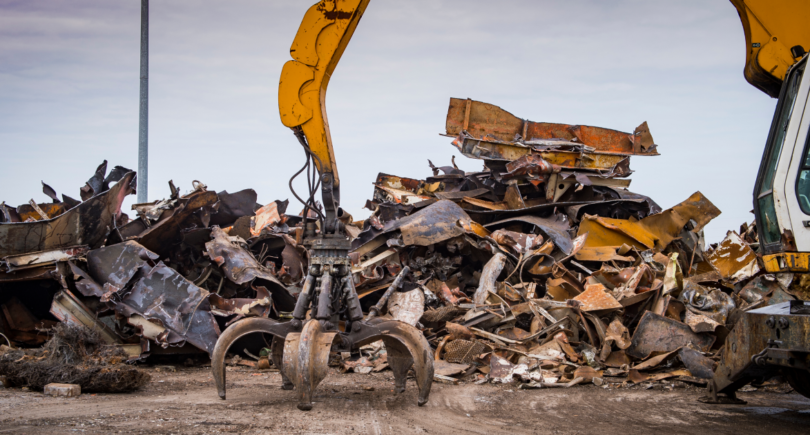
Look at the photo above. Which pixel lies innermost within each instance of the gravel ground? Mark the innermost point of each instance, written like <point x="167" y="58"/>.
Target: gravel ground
<point x="185" y="402"/>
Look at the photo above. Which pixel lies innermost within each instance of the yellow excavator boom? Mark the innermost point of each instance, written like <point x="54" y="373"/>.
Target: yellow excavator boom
<point x="777" y="35"/>
<point x="324" y="33"/>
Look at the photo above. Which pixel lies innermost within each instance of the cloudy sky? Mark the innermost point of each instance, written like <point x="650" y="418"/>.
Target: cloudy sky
<point x="69" y="91"/>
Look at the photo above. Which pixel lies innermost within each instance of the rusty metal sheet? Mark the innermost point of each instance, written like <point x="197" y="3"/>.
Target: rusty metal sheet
<point x="27" y="211"/>
<point x="529" y="166"/>
<point x="165" y="297"/>
<point x="35" y="274"/>
<point x="8" y="213"/>
<point x="595" y="298"/>
<point x="617" y="333"/>
<point x="555" y="228"/>
<point x="50" y="192"/>
<point x="266" y="217"/>
<point x="707" y="308"/>
<point x="734" y="259"/>
<point x="402" y="190"/>
<point x="240" y="266"/>
<point x="433" y="224"/>
<point x="38" y="259"/>
<point x="546" y="208"/>
<point x="87" y="224"/>
<point x="518" y="243"/>
<point x="601" y="253"/>
<point x="507" y="152"/>
<point x="84" y="283"/>
<point x="655" y="231"/>
<point x="399" y="183"/>
<point x="489" y="276"/>
<point x="116" y="265"/>
<point x="630" y="205"/>
<point x="407" y="306"/>
<point x="486" y="120"/>
<point x="232" y="206"/>
<point x="70" y="310"/>
<point x="697" y="207"/>
<point x="388" y="194"/>
<point x="697" y="364"/>
<point x="656" y="333"/>
<point x="489" y="205"/>
<point x="458" y="195"/>
<point x="758" y="288"/>
<point x="259" y="306"/>
<point x="168" y="231"/>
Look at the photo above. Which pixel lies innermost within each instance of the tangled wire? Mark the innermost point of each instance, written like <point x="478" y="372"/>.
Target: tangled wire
<point x="72" y="356"/>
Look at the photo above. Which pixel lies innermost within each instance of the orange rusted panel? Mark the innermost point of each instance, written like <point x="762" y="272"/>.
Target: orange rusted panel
<point x="52" y="210"/>
<point x="604" y="139"/>
<point x="655" y="231"/>
<point x="487" y="121"/>
<point x="734" y="259"/>
<point x="482" y="119"/>
<point x="594" y="298"/>
<point x="399" y="183"/>
<point x="547" y="130"/>
<point x="614" y="232"/>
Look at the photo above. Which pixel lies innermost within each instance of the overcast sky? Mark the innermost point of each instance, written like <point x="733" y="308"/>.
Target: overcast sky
<point x="69" y="88"/>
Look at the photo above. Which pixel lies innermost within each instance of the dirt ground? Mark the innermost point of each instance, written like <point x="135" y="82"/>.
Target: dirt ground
<point x="185" y="402"/>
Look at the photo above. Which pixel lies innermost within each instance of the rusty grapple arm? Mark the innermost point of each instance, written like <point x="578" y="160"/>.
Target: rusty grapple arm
<point x="301" y="347"/>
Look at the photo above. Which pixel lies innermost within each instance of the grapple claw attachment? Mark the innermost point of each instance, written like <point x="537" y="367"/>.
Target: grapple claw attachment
<point x="237" y="331"/>
<point x="406" y="347"/>
<point x="306" y="360"/>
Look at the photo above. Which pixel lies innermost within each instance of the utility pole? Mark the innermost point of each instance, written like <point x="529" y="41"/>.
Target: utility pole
<point x="143" y="125"/>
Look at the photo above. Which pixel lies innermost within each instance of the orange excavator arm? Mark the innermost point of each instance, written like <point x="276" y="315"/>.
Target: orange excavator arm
<point x="322" y="37"/>
<point x="776" y="36"/>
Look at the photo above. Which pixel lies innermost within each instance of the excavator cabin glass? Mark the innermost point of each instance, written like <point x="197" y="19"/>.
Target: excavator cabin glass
<point x="803" y="179"/>
<point x="769" y="225"/>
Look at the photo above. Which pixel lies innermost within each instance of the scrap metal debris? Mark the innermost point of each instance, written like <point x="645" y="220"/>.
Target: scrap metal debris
<point x="73" y="355"/>
<point x="544" y="269"/>
<point x="541" y="269"/>
<point x="172" y="277"/>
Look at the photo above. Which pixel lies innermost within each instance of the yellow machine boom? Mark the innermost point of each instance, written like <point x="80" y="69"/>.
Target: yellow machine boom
<point x="324" y="33"/>
<point x="776" y="36"/>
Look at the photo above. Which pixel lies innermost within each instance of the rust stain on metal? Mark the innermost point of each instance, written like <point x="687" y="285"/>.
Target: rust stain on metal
<point x="595" y="298"/>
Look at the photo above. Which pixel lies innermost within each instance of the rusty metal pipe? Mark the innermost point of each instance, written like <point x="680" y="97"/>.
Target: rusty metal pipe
<point x="375" y="310"/>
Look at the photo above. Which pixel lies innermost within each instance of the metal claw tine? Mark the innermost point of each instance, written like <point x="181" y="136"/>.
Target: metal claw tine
<point x="306" y="360"/>
<point x="235" y="332"/>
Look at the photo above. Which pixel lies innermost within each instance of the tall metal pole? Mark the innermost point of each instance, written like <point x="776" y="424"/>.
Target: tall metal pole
<point x="143" y="126"/>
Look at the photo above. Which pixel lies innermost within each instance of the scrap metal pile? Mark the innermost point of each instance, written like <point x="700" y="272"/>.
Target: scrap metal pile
<point x="542" y="268"/>
<point x="169" y="277"/>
